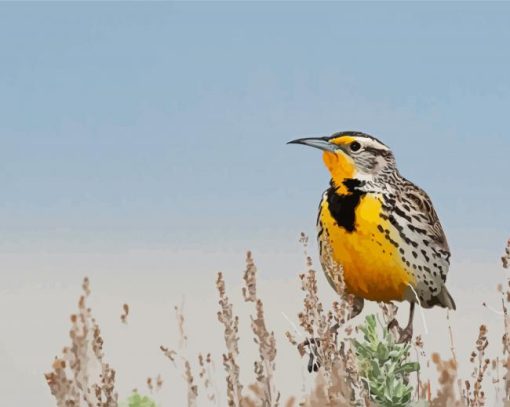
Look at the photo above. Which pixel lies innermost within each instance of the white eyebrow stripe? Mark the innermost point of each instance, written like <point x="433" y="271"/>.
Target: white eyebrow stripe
<point x="368" y="142"/>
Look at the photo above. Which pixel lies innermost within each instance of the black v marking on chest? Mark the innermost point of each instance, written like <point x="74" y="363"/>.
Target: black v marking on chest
<point x="343" y="206"/>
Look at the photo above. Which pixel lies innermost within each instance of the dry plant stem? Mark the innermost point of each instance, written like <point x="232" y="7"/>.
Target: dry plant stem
<point x="185" y="367"/>
<point x="206" y="377"/>
<point x="337" y="381"/>
<point x="125" y="313"/>
<point x="180" y="323"/>
<point x="169" y="353"/>
<point x="447" y="371"/>
<point x="192" y="388"/>
<point x="155" y="384"/>
<point x="506" y="257"/>
<point x="312" y="319"/>
<point x="188" y="375"/>
<point x="450" y="334"/>
<point x="80" y="376"/>
<point x="418" y="348"/>
<point x="474" y="394"/>
<point x="497" y="380"/>
<point x="231" y="327"/>
<point x="506" y="336"/>
<point x="265" y="366"/>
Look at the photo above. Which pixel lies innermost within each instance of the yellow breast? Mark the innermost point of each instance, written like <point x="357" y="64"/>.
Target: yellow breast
<point x="371" y="262"/>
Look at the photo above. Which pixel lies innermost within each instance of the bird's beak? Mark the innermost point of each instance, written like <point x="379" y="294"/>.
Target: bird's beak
<point x="318" y="142"/>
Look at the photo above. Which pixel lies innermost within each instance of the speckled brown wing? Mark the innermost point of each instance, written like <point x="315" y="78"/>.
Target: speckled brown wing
<point x="423" y="211"/>
<point x="425" y="227"/>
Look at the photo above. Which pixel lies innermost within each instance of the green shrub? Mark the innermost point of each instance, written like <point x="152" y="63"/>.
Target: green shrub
<point x="384" y="366"/>
<point x="137" y="400"/>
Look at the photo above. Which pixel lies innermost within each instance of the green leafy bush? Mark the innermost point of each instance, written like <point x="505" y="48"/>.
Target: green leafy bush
<point x="384" y="366"/>
<point x="137" y="400"/>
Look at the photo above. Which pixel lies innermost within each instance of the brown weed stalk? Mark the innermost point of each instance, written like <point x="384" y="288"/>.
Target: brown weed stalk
<point x="125" y="313"/>
<point x="230" y="332"/>
<point x="267" y="393"/>
<point x="192" y="388"/>
<point x="506" y="256"/>
<point x="447" y="371"/>
<point x="206" y="366"/>
<point x="81" y="376"/>
<point x="154" y="384"/>
<point x="473" y="392"/>
<point x="337" y="381"/>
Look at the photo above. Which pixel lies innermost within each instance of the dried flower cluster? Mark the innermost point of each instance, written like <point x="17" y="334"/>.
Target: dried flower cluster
<point x="473" y="393"/>
<point x="265" y="389"/>
<point x="125" y="313"/>
<point x="329" y="353"/>
<point x="505" y="300"/>
<point x="206" y="366"/>
<point x="155" y="384"/>
<point x="230" y="333"/>
<point x="447" y="376"/>
<point x="80" y="377"/>
<point x="506" y="257"/>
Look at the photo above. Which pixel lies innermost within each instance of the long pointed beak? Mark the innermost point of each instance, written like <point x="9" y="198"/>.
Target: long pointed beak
<point x="318" y="142"/>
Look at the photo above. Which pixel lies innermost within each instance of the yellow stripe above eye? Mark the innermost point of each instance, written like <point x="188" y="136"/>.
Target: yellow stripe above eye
<point x="342" y="140"/>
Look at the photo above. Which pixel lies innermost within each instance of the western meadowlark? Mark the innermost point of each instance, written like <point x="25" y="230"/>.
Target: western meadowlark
<point x="379" y="227"/>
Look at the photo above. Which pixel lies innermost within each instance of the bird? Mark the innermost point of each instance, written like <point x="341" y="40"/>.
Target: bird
<point x="379" y="228"/>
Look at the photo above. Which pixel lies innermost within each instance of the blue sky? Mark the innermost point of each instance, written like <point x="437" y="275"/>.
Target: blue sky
<point x="164" y="125"/>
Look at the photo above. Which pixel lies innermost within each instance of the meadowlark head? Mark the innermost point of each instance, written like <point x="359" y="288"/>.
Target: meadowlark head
<point x="353" y="155"/>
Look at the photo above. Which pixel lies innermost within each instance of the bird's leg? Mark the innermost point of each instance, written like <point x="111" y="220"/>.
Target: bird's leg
<point x="406" y="334"/>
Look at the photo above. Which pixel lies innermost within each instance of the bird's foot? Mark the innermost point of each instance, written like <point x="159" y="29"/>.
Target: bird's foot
<point x="405" y="335"/>
<point x="356" y="306"/>
<point x="313" y="345"/>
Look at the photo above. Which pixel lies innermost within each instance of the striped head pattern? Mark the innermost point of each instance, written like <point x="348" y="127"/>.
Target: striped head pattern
<point x="354" y="155"/>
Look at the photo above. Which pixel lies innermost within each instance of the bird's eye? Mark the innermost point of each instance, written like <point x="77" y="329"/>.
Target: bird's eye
<point x="355" y="146"/>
